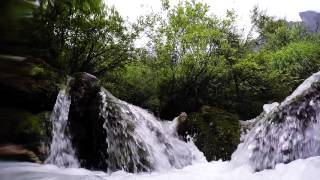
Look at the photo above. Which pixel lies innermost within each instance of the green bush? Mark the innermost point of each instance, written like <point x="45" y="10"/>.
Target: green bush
<point x="216" y="132"/>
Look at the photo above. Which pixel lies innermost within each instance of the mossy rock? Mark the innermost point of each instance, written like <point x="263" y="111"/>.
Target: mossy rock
<point x="25" y="129"/>
<point x="28" y="84"/>
<point x="28" y="90"/>
<point x="216" y="132"/>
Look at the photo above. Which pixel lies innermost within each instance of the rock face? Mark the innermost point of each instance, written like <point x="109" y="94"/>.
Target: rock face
<point x="287" y="132"/>
<point x="84" y="120"/>
<point x="28" y="84"/>
<point x="311" y="19"/>
<point x="28" y="88"/>
<point x="216" y="132"/>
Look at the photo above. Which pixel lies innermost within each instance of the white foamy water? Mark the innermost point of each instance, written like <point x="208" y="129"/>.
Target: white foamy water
<point x="285" y="132"/>
<point x="62" y="153"/>
<point x="137" y="130"/>
<point x="307" y="169"/>
<point x="302" y="88"/>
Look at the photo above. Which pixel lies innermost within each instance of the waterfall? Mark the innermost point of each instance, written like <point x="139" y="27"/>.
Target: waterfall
<point x="136" y="139"/>
<point x="284" y="132"/>
<point x="129" y="138"/>
<point x="62" y="153"/>
<point x="132" y="139"/>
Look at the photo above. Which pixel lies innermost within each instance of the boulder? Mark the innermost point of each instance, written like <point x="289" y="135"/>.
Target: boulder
<point x="83" y="116"/>
<point x="88" y="126"/>
<point x="27" y="132"/>
<point x="17" y="153"/>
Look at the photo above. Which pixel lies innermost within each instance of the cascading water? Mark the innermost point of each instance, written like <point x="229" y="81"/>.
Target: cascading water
<point x="285" y="132"/>
<point x="137" y="140"/>
<point x="121" y="136"/>
<point x="62" y="153"/>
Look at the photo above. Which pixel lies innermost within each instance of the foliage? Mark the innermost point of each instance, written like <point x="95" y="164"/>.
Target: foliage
<point x="216" y="132"/>
<point x="191" y="49"/>
<point x="192" y="58"/>
<point x="276" y="33"/>
<point x="298" y="59"/>
<point x="83" y="35"/>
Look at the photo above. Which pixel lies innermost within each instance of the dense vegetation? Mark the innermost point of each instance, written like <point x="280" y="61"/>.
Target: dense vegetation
<point x="192" y="59"/>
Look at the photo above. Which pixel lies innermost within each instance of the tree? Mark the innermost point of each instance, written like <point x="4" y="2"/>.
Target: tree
<point x="193" y="50"/>
<point x="275" y="33"/>
<point x="83" y="35"/>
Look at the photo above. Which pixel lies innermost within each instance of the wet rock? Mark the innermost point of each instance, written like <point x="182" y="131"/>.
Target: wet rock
<point x="88" y="126"/>
<point x="22" y="127"/>
<point x="17" y="153"/>
<point x="182" y="126"/>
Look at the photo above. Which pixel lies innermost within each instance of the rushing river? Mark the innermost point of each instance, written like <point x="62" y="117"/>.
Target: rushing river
<point x="283" y="143"/>
<point x="307" y="169"/>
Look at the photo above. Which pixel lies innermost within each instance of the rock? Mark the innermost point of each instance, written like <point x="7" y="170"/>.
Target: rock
<point x="182" y="117"/>
<point x="182" y="126"/>
<point x="28" y="89"/>
<point x="311" y="20"/>
<point x="216" y="132"/>
<point x="24" y="128"/>
<point x="83" y="118"/>
<point x="89" y="137"/>
<point x="27" y="83"/>
<point x="17" y="153"/>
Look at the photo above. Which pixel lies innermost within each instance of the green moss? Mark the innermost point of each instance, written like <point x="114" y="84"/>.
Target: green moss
<point x="36" y="70"/>
<point x="217" y="132"/>
<point x="21" y="126"/>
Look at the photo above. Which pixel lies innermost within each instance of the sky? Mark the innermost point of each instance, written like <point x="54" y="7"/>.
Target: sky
<point x="131" y="9"/>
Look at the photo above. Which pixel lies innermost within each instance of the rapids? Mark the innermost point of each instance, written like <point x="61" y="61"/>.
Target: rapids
<point x="285" y="138"/>
<point x="302" y="169"/>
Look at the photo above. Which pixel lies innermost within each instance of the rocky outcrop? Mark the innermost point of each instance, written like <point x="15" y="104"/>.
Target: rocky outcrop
<point x="85" y="126"/>
<point x="311" y="20"/>
<point x="27" y="83"/>
<point x="89" y="128"/>
<point x="17" y="153"/>
<point x="27" y="130"/>
<point x="28" y="89"/>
